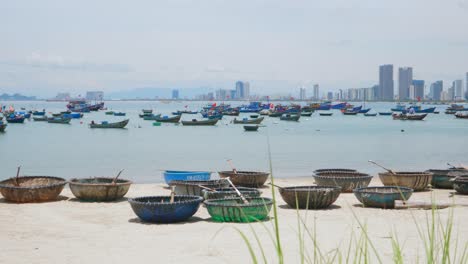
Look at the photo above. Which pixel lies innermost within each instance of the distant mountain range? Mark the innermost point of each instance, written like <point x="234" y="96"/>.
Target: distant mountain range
<point x="16" y="97"/>
<point x="152" y="93"/>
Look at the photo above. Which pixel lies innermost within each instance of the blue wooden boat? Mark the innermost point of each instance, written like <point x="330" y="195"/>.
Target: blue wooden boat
<point x="429" y="110"/>
<point x="385" y="113"/>
<point x="339" y="106"/>
<point x="172" y="175"/>
<point x="39" y="113"/>
<point x="324" y="106"/>
<point x="399" y="108"/>
<point x="15" y="118"/>
<point x="370" y="114"/>
<point x="73" y="115"/>
<point x="363" y="111"/>
<point x="119" y="114"/>
<point x="382" y="197"/>
<point x="159" y="209"/>
<point x="218" y="116"/>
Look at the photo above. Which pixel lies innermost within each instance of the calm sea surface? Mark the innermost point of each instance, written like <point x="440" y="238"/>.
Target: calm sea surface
<point x="297" y="148"/>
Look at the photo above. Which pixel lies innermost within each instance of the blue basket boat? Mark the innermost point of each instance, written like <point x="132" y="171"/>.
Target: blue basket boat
<point x="172" y="175"/>
<point x="382" y="197"/>
<point x="159" y="209"/>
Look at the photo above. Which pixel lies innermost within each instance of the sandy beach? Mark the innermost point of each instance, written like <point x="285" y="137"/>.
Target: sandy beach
<point x="70" y="231"/>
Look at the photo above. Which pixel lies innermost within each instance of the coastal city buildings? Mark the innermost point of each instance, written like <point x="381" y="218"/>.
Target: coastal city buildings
<point x="175" y="94"/>
<point x="242" y="90"/>
<point x="458" y="90"/>
<point x="385" y="91"/>
<point x="94" y="95"/>
<point x="302" y="93"/>
<point x="417" y="90"/>
<point x="316" y="91"/>
<point x="436" y="89"/>
<point x="405" y="79"/>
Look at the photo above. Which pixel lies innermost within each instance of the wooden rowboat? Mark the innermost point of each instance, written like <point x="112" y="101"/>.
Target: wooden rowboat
<point x="290" y="117"/>
<point x="253" y="179"/>
<point x="194" y="122"/>
<point x="166" y="119"/>
<point x="326" y="114"/>
<point x="408" y="116"/>
<point x="461" y="115"/>
<point x="248" y="121"/>
<point x="59" y="120"/>
<point x="40" y="118"/>
<point x="32" y="189"/>
<point x="99" y="188"/>
<point x="251" y="128"/>
<point x="120" y="124"/>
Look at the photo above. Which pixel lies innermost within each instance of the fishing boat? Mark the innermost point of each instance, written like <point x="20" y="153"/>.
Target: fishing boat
<point x="349" y="112"/>
<point x="195" y="122"/>
<point x="251" y="128"/>
<point x="276" y="113"/>
<point x="2" y="126"/>
<point x="147" y="111"/>
<point x="40" y="118"/>
<point x="461" y="115"/>
<point x="106" y="124"/>
<point x="403" y="116"/>
<point x="399" y="108"/>
<point x="32" y="189"/>
<point x="217" y="116"/>
<point x="265" y="112"/>
<point x="73" y="115"/>
<point x="248" y="121"/>
<point x="364" y="111"/>
<point x="168" y="119"/>
<point x="290" y="117"/>
<point x="151" y="117"/>
<point x="38" y="113"/>
<point x="385" y="113"/>
<point x="110" y="113"/>
<point x="457" y="108"/>
<point x="231" y="113"/>
<point x="325" y="113"/>
<point x="56" y="114"/>
<point x="253" y="179"/>
<point x="59" y="120"/>
<point x="339" y="106"/>
<point x="370" y="114"/>
<point x="419" y="110"/>
<point x="119" y="114"/>
<point x="450" y="112"/>
<point x="98" y="189"/>
<point x="307" y="113"/>
<point x="15" y="118"/>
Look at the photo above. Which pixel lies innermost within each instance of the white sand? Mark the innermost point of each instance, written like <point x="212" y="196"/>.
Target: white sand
<point x="69" y="231"/>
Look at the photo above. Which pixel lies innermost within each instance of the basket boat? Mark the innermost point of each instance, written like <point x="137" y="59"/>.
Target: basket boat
<point x="334" y="170"/>
<point x="159" y="209"/>
<point x="348" y="181"/>
<point x="382" y="197"/>
<point x="310" y="197"/>
<point x="253" y="179"/>
<point x="99" y="189"/>
<point x="32" y="189"/>
<point x="442" y="179"/>
<point x="234" y="210"/>
<point x="251" y="128"/>
<point x="172" y="175"/>
<point x="418" y="181"/>
<point x="460" y="184"/>
<point x="222" y="193"/>
<point x="196" y="187"/>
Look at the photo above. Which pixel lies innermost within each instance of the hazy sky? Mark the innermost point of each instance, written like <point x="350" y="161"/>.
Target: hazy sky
<point x="51" y="46"/>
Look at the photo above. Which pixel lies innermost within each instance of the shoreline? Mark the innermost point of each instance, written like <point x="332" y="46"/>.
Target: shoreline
<point x="70" y="231"/>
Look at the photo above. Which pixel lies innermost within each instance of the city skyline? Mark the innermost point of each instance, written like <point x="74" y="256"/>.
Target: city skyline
<point x="276" y="45"/>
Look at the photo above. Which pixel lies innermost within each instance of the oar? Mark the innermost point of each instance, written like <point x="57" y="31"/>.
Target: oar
<point x="237" y="191"/>
<point x="232" y="166"/>
<point x="276" y="185"/>
<point x="206" y="188"/>
<point x="389" y="170"/>
<point x="17" y="176"/>
<point x="116" y="177"/>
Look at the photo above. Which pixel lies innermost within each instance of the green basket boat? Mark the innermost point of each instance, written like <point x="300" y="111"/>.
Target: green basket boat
<point x="234" y="210"/>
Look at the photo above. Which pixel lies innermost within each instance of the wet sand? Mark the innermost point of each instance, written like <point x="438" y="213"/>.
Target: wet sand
<point x="70" y="231"/>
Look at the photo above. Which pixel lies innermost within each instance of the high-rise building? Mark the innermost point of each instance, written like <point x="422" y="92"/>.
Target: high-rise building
<point x="418" y="86"/>
<point x="451" y="93"/>
<point x="386" y="82"/>
<point x="246" y="90"/>
<point x="94" y="95"/>
<point x="458" y="90"/>
<point x="302" y="93"/>
<point x="239" y="90"/>
<point x="466" y="84"/>
<point x="405" y="79"/>
<point x="436" y="90"/>
<point x="233" y="94"/>
<point x="330" y="96"/>
<point x="175" y="94"/>
<point x="316" y="91"/>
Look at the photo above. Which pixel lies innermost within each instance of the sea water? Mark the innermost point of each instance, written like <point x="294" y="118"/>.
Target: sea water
<point x="297" y="148"/>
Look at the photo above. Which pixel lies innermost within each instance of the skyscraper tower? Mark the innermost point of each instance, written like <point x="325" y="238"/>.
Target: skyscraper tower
<point x="385" y="82"/>
<point x="405" y="80"/>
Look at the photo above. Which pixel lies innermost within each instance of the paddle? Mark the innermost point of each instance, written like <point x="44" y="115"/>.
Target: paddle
<point x="389" y="170"/>
<point x="17" y="176"/>
<point x="206" y="188"/>
<point x="229" y="161"/>
<point x="276" y="185"/>
<point x="237" y="191"/>
<point x="116" y="177"/>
